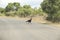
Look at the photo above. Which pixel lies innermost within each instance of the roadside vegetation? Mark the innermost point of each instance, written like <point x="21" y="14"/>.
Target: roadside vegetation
<point x="15" y="9"/>
<point x="50" y="10"/>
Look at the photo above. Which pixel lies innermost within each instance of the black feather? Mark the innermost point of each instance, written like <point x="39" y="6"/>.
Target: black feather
<point x="29" y="21"/>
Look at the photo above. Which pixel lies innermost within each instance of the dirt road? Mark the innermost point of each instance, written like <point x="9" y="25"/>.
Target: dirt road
<point x="11" y="29"/>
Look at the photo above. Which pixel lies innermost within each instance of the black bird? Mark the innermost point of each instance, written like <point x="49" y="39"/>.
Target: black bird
<point x="29" y="21"/>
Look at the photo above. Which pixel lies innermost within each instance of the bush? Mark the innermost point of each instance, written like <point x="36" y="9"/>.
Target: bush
<point x="10" y="13"/>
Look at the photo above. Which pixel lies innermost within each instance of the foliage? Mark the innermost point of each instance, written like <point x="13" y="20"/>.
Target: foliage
<point x="11" y="13"/>
<point x="12" y="6"/>
<point x="2" y="10"/>
<point x="52" y="8"/>
<point x="9" y="7"/>
<point x="15" y="9"/>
